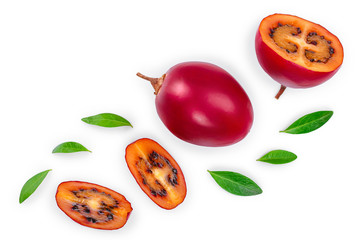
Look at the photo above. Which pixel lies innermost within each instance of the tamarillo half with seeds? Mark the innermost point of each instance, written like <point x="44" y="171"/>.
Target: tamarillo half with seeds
<point x="297" y="53"/>
<point x="92" y="205"/>
<point x="202" y="104"/>
<point x="156" y="172"/>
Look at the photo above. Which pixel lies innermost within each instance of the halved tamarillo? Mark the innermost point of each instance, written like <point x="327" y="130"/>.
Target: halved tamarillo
<point x="92" y="205"/>
<point x="202" y="104"/>
<point x="156" y="172"/>
<point x="297" y="53"/>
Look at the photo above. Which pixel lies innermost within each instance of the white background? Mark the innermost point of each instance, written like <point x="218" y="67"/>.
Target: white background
<point x="64" y="60"/>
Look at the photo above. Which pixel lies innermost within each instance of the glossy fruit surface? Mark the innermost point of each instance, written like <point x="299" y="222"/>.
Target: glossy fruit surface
<point x="297" y="53"/>
<point x="92" y="205"/>
<point x="156" y="172"/>
<point x="202" y="104"/>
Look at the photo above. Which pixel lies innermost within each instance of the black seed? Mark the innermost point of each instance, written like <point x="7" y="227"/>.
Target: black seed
<point x="170" y="181"/>
<point x="287" y="50"/>
<point x="272" y="30"/>
<point x="100" y="212"/>
<point x="329" y="42"/>
<point x="90" y="219"/>
<point x="312" y="60"/>
<point x="87" y="210"/>
<point x="322" y="37"/>
<point x="174" y="170"/>
<point x="175" y="181"/>
<point x="312" y="34"/>
<point x="148" y="170"/>
<point x="103" y="203"/>
<point x="157" y="182"/>
<point x="153" y="193"/>
<point x="144" y="182"/>
<point x="313" y="43"/>
<point x="110" y="217"/>
<point x="331" y="50"/>
<point x="271" y="35"/>
<point x="160" y="165"/>
<point x="279" y="24"/>
<point x="116" y="202"/>
<point x="162" y="193"/>
<point x="94" y="190"/>
<point x="154" y="155"/>
<point x="319" y="61"/>
<point x="298" y="30"/>
<point x="81" y="189"/>
<point x="75" y="207"/>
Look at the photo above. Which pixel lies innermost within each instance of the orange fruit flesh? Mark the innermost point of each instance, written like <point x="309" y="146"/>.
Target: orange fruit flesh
<point x="93" y="205"/>
<point x="302" y="42"/>
<point x="156" y="172"/>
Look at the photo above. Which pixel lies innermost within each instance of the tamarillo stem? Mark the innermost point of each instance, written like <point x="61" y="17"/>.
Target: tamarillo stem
<point x="281" y="91"/>
<point x="155" y="82"/>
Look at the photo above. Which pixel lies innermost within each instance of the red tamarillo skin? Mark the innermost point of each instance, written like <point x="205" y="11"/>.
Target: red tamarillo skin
<point x="297" y="53"/>
<point x="202" y="104"/>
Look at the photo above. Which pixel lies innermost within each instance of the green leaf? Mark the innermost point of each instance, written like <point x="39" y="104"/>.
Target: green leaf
<point x="235" y="183"/>
<point x="69" y="147"/>
<point x="107" y="120"/>
<point x="31" y="185"/>
<point x="278" y="157"/>
<point x="309" y="122"/>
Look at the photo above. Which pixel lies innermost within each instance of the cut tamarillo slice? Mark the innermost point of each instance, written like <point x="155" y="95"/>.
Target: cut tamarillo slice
<point x="156" y="172"/>
<point x="297" y="53"/>
<point x="92" y="205"/>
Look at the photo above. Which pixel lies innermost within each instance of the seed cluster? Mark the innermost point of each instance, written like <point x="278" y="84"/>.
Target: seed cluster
<point x="324" y="49"/>
<point x="103" y="213"/>
<point x="146" y="168"/>
<point x="278" y="33"/>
